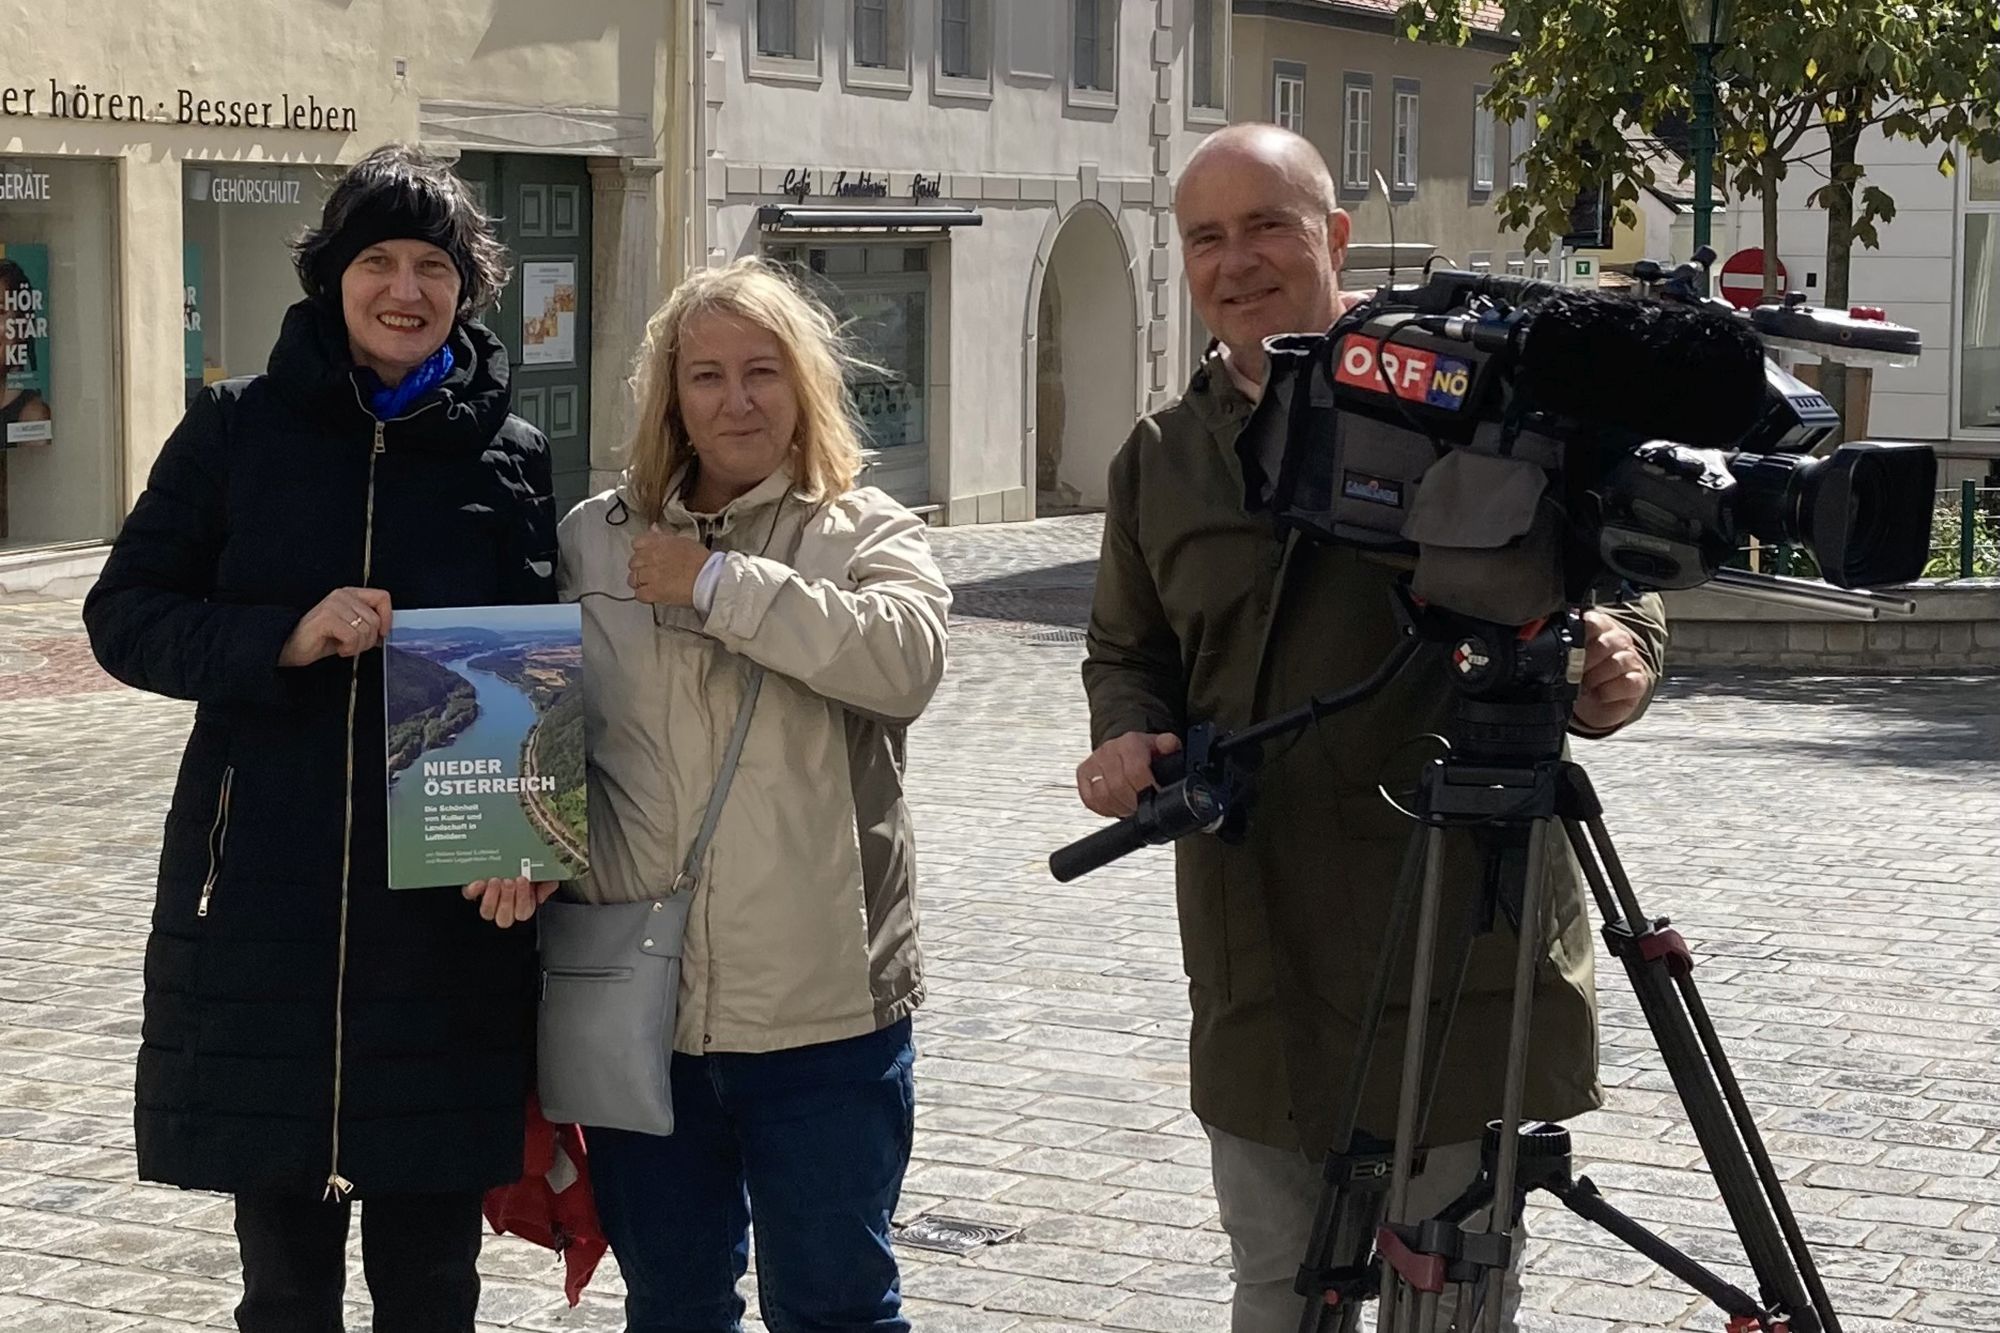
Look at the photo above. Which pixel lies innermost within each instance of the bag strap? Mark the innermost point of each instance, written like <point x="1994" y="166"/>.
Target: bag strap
<point x="690" y="875"/>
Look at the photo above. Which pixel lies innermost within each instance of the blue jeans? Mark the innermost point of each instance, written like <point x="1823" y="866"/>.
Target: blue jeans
<point x="809" y="1144"/>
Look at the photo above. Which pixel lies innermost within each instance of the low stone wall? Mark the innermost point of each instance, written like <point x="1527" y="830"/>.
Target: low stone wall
<point x="1956" y="629"/>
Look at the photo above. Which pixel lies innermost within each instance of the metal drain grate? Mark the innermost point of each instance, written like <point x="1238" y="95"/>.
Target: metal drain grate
<point x="953" y="1235"/>
<point x="1046" y="638"/>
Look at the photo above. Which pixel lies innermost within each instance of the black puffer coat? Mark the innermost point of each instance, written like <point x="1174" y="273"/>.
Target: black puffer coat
<point x="302" y="1021"/>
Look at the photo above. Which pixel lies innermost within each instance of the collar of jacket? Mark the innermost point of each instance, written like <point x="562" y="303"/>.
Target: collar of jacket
<point x="766" y="494"/>
<point x="312" y="361"/>
<point x="1216" y="402"/>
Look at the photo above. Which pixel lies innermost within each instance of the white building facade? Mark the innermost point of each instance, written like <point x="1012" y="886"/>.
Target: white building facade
<point x="981" y="189"/>
<point x="1937" y="270"/>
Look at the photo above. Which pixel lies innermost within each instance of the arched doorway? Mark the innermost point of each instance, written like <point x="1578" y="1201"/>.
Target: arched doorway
<point x="1086" y="361"/>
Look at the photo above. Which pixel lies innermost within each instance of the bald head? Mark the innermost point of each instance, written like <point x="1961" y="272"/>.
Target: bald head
<point x="1265" y="149"/>
<point x="1263" y="238"/>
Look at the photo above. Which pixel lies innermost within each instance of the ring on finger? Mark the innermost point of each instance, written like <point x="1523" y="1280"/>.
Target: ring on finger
<point x="355" y="623"/>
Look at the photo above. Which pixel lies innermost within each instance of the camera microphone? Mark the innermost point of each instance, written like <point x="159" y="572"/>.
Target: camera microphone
<point x="1661" y="371"/>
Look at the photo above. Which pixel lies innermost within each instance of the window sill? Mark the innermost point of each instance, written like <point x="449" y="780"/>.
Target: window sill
<point x="1094" y="99"/>
<point x="964" y="89"/>
<point x="1214" y="116"/>
<point x="779" y="69"/>
<point x="879" y="78"/>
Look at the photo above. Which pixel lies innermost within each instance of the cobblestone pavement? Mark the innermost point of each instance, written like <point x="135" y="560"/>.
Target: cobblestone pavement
<point x="1832" y="848"/>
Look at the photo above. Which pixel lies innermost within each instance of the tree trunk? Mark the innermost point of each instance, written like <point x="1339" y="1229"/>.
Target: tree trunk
<point x="1844" y="142"/>
<point x="1767" y="194"/>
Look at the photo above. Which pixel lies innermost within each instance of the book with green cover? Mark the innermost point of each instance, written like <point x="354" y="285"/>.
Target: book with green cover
<point x="484" y="707"/>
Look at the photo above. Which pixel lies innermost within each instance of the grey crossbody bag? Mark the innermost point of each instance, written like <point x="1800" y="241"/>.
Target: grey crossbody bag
<point x="611" y="983"/>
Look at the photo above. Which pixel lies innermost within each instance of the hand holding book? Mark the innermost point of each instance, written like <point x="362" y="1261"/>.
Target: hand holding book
<point x="505" y="902"/>
<point x="347" y="622"/>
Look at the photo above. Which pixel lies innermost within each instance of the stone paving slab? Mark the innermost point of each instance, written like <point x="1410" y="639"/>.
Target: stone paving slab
<point x="1831" y="847"/>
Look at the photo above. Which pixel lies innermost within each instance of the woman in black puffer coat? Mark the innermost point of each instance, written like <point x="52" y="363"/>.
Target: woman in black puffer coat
<point x="311" y="1036"/>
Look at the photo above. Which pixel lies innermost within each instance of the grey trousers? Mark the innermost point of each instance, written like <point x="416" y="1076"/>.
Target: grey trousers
<point x="1268" y="1197"/>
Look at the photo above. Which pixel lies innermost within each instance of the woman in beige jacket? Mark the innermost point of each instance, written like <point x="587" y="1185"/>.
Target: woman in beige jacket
<point x="738" y="537"/>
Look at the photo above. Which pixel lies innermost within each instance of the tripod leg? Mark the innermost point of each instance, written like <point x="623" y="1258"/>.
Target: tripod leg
<point x="1695" y="1060"/>
<point x="1339" y="1206"/>
<point x="1526" y="955"/>
<point x="1447" y="1015"/>
<point x="1413" y="1055"/>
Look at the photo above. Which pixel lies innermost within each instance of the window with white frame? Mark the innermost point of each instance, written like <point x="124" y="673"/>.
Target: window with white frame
<point x="778" y="30"/>
<point x="965" y="40"/>
<point x="1404" y="156"/>
<point x="1482" y="143"/>
<point x="1208" y="57"/>
<point x="879" y="41"/>
<point x="1357" y="131"/>
<point x="1288" y="95"/>
<point x="1979" y="299"/>
<point x="1094" y="48"/>
<point x="784" y="39"/>
<point x="1519" y="141"/>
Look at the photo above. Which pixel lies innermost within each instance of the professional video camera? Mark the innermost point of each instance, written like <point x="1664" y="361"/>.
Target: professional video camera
<point x="1526" y="451"/>
<point x="1530" y="445"/>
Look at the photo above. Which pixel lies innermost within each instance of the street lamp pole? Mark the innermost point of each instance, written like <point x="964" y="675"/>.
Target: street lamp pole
<point x="1704" y="145"/>
<point x="1708" y="32"/>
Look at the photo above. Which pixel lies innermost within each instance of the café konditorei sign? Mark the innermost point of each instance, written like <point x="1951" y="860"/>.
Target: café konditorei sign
<point x="802" y="183"/>
<point x="79" y="101"/>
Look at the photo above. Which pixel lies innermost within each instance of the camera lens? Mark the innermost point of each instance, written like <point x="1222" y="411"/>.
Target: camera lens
<point x="1864" y="513"/>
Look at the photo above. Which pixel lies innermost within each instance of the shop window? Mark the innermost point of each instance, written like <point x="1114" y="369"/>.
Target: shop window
<point x="237" y="222"/>
<point x="60" y="424"/>
<point x="882" y="297"/>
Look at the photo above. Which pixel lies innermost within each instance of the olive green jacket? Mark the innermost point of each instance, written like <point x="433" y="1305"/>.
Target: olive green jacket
<point x="1202" y="614"/>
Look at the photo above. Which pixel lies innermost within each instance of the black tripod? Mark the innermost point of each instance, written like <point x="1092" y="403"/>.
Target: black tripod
<point x="1506" y="772"/>
<point x="1505" y="775"/>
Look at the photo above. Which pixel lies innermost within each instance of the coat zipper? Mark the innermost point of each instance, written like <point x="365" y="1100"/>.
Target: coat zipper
<point x="339" y="1187"/>
<point x="218" y="834"/>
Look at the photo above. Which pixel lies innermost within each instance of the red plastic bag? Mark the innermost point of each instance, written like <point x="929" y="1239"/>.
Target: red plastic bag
<point x="551" y="1204"/>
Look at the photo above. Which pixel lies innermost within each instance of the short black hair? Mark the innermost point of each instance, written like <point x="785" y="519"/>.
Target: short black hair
<point x="436" y="205"/>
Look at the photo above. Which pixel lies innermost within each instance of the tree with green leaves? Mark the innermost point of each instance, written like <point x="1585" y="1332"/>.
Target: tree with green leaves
<point x="1801" y="85"/>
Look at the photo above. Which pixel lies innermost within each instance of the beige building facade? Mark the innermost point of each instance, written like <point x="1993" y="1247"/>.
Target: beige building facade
<point x="1416" y="158"/>
<point x="983" y="190"/>
<point x="155" y="160"/>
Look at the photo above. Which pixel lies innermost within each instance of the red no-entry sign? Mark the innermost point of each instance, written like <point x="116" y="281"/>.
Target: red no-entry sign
<point x="1742" y="280"/>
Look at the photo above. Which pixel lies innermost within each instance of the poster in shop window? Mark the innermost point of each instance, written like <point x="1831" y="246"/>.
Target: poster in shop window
<point x="24" y="345"/>
<point x="548" y="313"/>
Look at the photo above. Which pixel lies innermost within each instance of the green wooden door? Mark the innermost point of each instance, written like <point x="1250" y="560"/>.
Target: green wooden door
<point x="541" y="209"/>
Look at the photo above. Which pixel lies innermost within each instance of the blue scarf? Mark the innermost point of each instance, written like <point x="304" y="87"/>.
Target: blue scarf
<point x="387" y="403"/>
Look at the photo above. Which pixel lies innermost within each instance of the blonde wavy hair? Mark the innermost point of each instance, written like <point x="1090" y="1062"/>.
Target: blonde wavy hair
<point x="826" y="450"/>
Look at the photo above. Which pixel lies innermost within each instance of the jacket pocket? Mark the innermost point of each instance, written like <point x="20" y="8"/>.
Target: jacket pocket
<point x="218" y="836"/>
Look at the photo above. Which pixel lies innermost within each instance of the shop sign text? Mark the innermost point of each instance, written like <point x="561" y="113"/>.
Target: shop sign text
<point x="801" y="183"/>
<point x="79" y="101"/>
<point x="24" y="187"/>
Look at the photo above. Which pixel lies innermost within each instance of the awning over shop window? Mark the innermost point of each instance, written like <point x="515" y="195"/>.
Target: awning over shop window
<point x="785" y="217"/>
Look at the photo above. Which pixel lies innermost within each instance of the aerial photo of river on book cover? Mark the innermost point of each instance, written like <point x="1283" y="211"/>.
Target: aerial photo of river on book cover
<point x="485" y="745"/>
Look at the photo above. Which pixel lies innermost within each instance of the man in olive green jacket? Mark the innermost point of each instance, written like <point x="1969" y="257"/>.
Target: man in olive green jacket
<point x="1201" y="614"/>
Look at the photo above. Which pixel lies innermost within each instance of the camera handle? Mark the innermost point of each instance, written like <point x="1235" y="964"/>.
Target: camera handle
<point x="1201" y="790"/>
